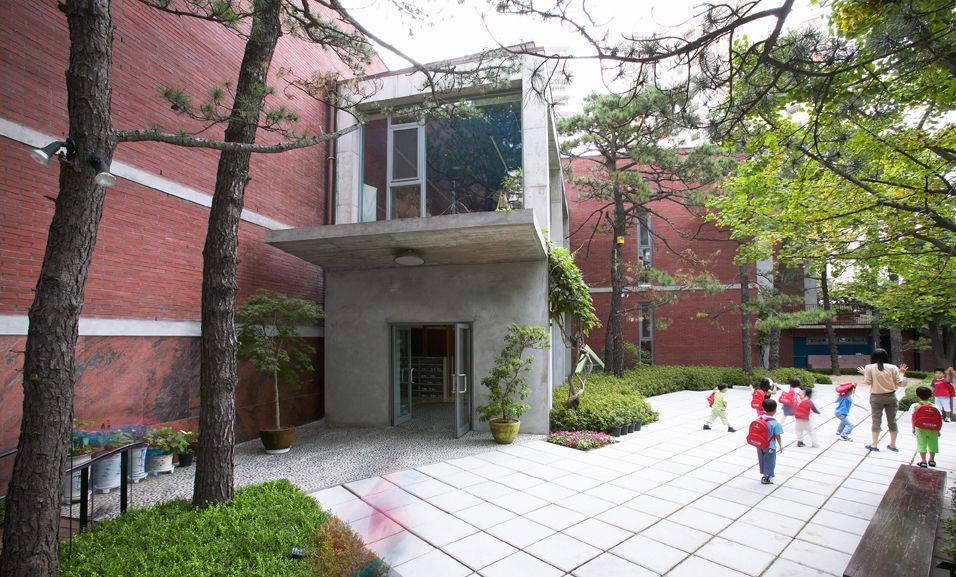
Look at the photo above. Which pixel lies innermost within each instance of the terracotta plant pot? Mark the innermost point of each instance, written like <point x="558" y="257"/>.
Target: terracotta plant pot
<point x="277" y="440"/>
<point x="504" y="432"/>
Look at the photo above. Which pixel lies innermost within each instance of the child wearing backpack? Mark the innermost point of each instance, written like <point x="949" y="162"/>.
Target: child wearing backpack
<point x="764" y="391"/>
<point x="842" y="412"/>
<point x="802" y="415"/>
<point x="718" y="403"/>
<point x="943" y="392"/>
<point x="765" y="433"/>
<point x="791" y="398"/>
<point x="927" y="422"/>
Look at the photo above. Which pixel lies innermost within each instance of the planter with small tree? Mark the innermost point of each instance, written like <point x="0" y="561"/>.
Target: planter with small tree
<point x="506" y="384"/>
<point x="164" y="442"/>
<point x="270" y="340"/>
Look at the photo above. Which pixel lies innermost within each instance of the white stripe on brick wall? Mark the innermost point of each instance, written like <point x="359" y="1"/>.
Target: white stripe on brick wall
<point x="36" y="139"/>
<point x="16" y="325"/>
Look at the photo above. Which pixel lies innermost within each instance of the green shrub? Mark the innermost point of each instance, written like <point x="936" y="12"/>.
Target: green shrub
<point x="783" y="376"/>
<point x="607" y="402"/>
<point x="920" y="374"/>
<point x="909" y="397"/>
<point x="250" y="537"/>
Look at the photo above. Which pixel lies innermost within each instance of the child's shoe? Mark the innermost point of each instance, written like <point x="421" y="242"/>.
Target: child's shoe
<point x="845" y="438"/>
<point x="765" y="480"/>
<point x="922" y="465"/>
<point x="731" y="430"/>
<point x="932" y="463"/>
<point x="706" y="427"/>
<point x="946" y="418"/>
<point x="801" y="444"/>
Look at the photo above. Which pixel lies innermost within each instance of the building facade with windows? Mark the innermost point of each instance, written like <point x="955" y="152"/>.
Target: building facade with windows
<point x="438" y="246"/>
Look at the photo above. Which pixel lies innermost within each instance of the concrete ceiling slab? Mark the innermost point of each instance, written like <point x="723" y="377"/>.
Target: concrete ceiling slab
<point x="474" y="238"/>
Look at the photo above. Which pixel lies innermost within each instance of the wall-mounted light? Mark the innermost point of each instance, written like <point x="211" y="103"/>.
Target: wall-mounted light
<point x="43" y="155"/>
<point x="103" y="176"/>
<point x="408" y="257"/>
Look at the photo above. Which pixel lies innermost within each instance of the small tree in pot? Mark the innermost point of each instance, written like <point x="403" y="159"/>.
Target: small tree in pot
<point x="507" y="387"/>
<point x="269" y="339"/>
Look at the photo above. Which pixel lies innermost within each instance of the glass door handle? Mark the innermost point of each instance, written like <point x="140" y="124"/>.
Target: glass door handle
<point x="464" y="380"/>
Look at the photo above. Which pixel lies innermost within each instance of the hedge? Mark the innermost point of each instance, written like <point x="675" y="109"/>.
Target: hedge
<point x="909" y="397"/>
<point x="609" y="401"/>
<point x="910" y="373"/>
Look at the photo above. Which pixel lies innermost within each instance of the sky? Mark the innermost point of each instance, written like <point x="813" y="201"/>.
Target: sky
<point x="451" y="28"/>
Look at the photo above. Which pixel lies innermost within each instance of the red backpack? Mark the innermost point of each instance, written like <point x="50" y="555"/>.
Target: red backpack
<point x="710" y="399"/>
<point x="757" y="401"/>
<point x="787" y="397"/>
<point x="759" y="434"/>
<point x="927" y="417"/>
<point x="803" y="409"/>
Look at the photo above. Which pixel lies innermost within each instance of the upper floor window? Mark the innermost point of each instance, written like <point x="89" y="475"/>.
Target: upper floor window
<point x="442" y="166"/>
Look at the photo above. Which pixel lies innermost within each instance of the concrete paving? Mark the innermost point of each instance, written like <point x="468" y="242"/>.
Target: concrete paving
<point x="671" y="500"/>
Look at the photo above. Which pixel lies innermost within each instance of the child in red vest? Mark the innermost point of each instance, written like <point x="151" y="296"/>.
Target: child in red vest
<point x="943" y="392"/>
<point x="802" y="415"/>
<point x="926" y="427"/>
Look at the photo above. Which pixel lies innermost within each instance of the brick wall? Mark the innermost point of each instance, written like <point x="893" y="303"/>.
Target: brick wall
<point x="701" y="329"/>
<point x="147" y="265"/>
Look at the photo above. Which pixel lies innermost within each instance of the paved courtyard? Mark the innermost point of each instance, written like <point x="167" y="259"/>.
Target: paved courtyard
<point x="670" y="500"/>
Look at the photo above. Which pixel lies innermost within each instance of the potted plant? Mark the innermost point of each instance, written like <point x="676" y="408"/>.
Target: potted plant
<point x="186" y="455"/>
<point x="163" y="442"/>
<point x="106" y="474"/>
<point x="269" y="339"/>
<point x="507" y="387"/>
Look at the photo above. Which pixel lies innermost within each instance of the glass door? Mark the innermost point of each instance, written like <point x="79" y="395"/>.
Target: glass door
<point x="402" y="374"/>
<point x="462" y="381"/>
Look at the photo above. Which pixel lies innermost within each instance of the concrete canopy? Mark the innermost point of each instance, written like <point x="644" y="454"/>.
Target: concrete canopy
<point x="474" y="238"/>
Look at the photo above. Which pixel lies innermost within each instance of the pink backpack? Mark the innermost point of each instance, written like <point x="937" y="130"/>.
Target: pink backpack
<point x="927" y="417"/>
<point x="759" y="434"/>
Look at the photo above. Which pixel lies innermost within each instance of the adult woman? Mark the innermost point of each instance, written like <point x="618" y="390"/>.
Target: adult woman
<point x="883" y="379"/>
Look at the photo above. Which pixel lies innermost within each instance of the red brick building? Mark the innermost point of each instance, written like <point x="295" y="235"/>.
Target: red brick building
<point x="682" y="324"/>
<point x="138" y="349"/>
<point x="701" y="328"/>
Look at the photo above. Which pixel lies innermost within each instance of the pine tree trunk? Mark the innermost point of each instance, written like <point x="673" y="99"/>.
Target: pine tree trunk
<point x="896" y="346"/>
<point x="219" y="373"/>
<point x="614" y="337"/>
<point x="746" y="339"/>
<point x="30" y="536"/>
<point x="875" y="332"/>
<point x="828" y="324"/>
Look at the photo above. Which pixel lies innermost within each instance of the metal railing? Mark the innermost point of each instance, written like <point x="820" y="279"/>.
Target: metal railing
<point x="84" y="470"/>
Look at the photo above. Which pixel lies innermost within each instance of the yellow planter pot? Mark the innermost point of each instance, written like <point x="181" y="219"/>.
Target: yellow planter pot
<point x="504" y="432"/>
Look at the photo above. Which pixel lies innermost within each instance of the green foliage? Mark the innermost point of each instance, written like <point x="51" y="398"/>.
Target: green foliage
<point x="909" y="397"/>
<point x="506" y="384"/>
<point x="269" y="338"/>
<point x="342" y="553"/>
<point x="251" y="537"/>
<point x="568" y="294"/>
<point x="607" y="403"/>
<point x="168" y="440"/>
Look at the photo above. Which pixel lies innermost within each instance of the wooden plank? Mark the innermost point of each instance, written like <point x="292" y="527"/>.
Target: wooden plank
<point x="899" y="539"/>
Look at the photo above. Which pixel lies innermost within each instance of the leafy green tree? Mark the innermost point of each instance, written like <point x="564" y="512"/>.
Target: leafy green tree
<point x="571" y="309"/>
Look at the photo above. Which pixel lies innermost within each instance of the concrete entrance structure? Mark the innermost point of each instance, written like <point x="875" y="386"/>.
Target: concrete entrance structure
<point x="481" y="266"/>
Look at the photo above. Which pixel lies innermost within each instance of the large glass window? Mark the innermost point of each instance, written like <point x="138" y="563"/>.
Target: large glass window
<point x="472" y="163"/>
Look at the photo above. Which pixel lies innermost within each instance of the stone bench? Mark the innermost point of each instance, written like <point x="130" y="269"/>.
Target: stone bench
<point x="899" y="539"/>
